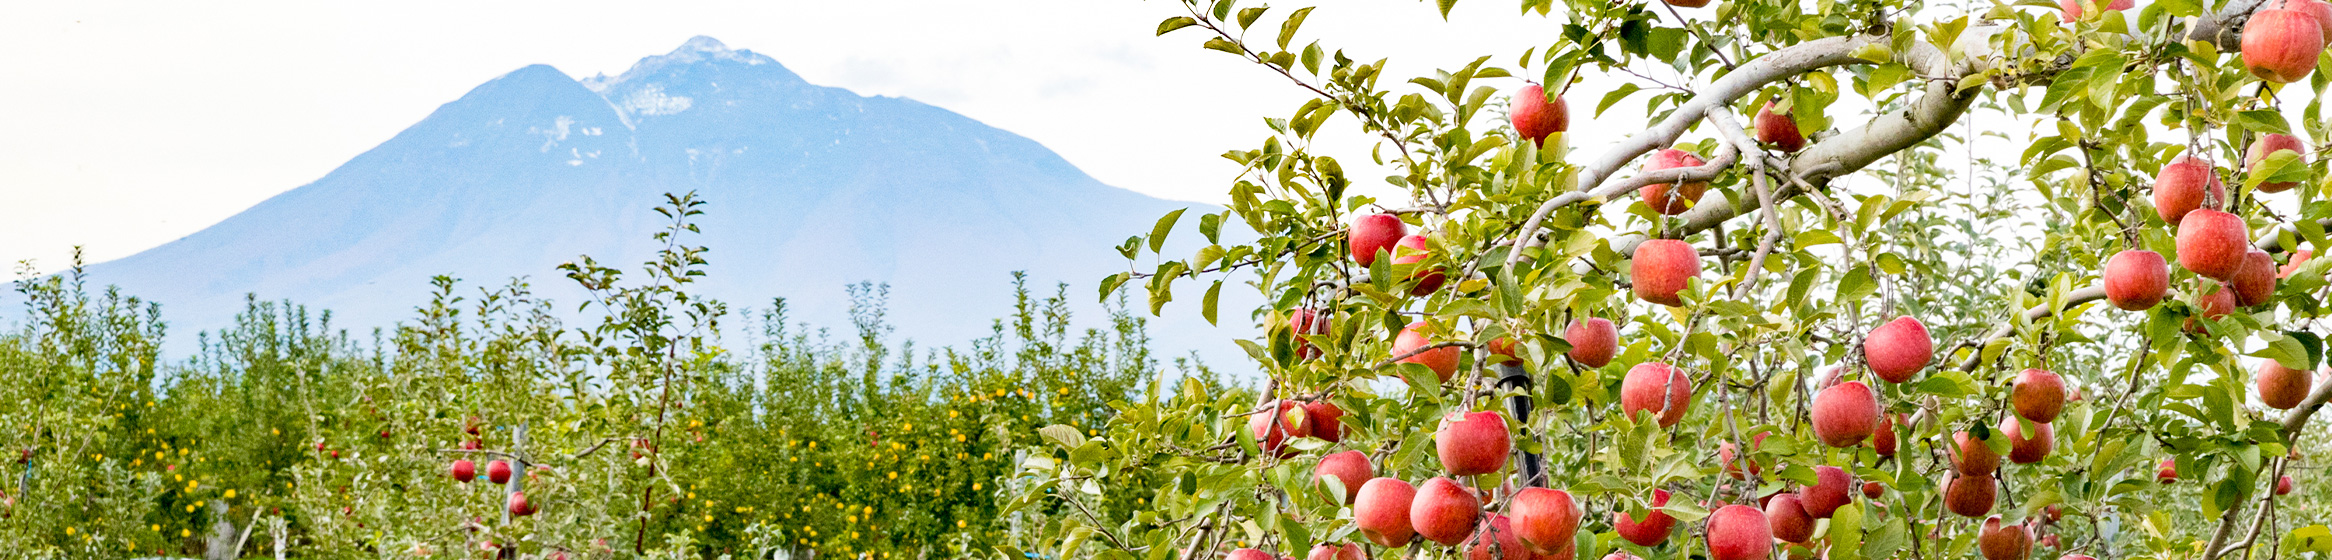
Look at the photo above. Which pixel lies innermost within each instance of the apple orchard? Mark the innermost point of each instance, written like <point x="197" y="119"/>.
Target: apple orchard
<point x="1872" y="280"/>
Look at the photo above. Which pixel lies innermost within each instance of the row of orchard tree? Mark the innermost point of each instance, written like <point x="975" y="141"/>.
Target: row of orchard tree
<point x="669" y="426"/>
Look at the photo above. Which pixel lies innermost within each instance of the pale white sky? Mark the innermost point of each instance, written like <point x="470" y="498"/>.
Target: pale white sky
<point x="135" y="123"/>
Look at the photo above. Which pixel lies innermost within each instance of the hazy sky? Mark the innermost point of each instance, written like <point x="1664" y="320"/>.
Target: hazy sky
<point x="136" y="123"/>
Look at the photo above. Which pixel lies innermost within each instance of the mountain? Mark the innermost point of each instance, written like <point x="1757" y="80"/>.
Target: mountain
<point x="810" y="188"/>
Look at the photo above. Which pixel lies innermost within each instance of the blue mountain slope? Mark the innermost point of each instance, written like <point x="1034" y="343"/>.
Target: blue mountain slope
<point x="811" y="188"/>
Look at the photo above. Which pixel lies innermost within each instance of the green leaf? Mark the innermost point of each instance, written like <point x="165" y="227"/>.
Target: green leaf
<point x="1248" y="16"/>
<point x="1066" y="437"/>
<point x="1619" y="93"/>
<point x="2263" y="120"/>
<point x="1165" y="226"/>
<point x="1287" y="31"/>
<point x="1221" y="44"/>
<point x="1445" y="5"/>
<point x="1174" y="23"/>
<point x="1207" y="306"/>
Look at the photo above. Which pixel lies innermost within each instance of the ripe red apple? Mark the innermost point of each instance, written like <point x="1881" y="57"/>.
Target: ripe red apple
<point x="2217" y="302"/>
<point x="1828" y="493"/>
<point x="1473" y="443"/>
<point x="2254" y="281"/>
<point x="2280" y="45"/>
<point x="2004" y="542"/>
<point x="1373" y="234"/>
<point x="1595" y="340"/>
<point x="2299" y="257"/>
<point x="2185" y="185"/>
<point x="2273" y="142"/>
<point x="463" y="471"/>
<point x="1412" y="250"/>
<point x="2136" y="280"/>
<point x="498" y="472"/>
<point x="1305" y="324"/>
<point x="1535" y="118"/>
<point x="2319" y="10"/>
<point x="1898" y="350"/>
<point x="1443" y="361"/>
<point x="1351" y="468"/>
<point x="2028" y="450"/>
<point x="1883" y="440"/>
<point x="1738" y="532"/>
<point x="1780" y="130"/>
<point x="2283" y="485"/>
<point x="1687" y="3"/>
<point x="1974" y="457"/>
<point x="1495" y="540"/>
<point x="1621" y="555"/>
<point x="1788" y="518"/>
<point x="1652" y="530"/>
<point x="2213" y="243"/>
<point x="2077" y="557"/>
<point x="1344" y="551"/>
<point x="1970" y="495"/>
<point x="1725" y="457"/>
<point x="519" y="506"/>
<point x="2038" y="396"/>
<point x="1545" y="519"/>
<point x="1662" y="269"/>
<point x="2169" y="472"/>
<point x="1641" y="391"/>
<point x="2281" y="387"/>
<point x="1844" y="415"/>
<point x="2048" y="541"/>
<point x="1444" y="512"/>
<point x="1670" y="199"/>
<point x="1873" y="490"/>
<point x="2073" y="9"/>
<point x="1248" y="554"/>
<point x="1272" y="430"/>
<point x="1381" y="511"/>
<point x="1327" y="421"/>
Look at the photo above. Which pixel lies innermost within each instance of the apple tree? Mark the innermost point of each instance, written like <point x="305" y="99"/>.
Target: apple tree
<point x="1871" y="279"/>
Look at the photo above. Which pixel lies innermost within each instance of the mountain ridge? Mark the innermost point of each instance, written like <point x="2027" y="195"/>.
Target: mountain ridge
<point x="810" y="188"/>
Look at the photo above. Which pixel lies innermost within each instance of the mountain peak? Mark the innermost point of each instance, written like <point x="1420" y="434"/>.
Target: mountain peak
<point x="698" y="50"/>
<point x="703" y="43"/>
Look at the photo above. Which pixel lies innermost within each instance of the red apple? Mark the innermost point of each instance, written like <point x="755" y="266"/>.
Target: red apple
<point x="2073" y="9"/>
<point x="2254" y="281"/>
<point x="519" y="506"/>
<point x="1725" y="453"/>
<point x="1828" y="493"/>
<point x="1327" y="421"/>
<point x="1535" y="118"/>
<point x="2038" y="396"/>
<point x="2218" y="302"/>
<point x="1883" y="440"/>
<point x="1652" y="530"/>
<point x="1473" y="443"/>
<point x="2136" y="280"/>
<point x="1780" y="130"/>
<point x="2299" y="257"/>
<point x="2281" y="387"/>
<point x="2319" y="10"/>
<point x="1381" y="511"/>
<point x="1248" y="554"/>
<point x="498" y="472"/>
<point x="1844" y="415"/>
<point x="1687" y="3"/>
<point x="1445" y="512"/>
<point x="2273" y="142"/>
<point x="2169" y="472"/>
<point x="1545" y="519"/>
<point x="2028" y="450"/>
<point x="1443" y="361"/>
<point x="2213" y="243"/>
<point x="1642" y="390"/>
<point x="1970" y="495"/>
<point x="1595" y="340"/>
<point x="1504" y="351"/>
<point x="1345" y="551"/>
<point x="2283" y="485"/>
<point x="1873" y="490"/>
<point x="1898" y="350"/>
<point x="1669" y="198"/>
<point x="1373" y="234"/>
<point x="1662" y="269"/>
<point x="1412" y="250"/>
<point x="2004" y="542"/>
<point x="1351" y="468"/>
<point x="1788" y="518"/>
<point x="1974" y="458"/>
<point x="1495" y="540"/>
<point x="2280" y="45"/>
<point x="463" y="471"/>
<point x="1307" y="324"/>
<point x="1272" y="430"/>
<point x="2185" y="185"/>
<point x="1738" y="532"/>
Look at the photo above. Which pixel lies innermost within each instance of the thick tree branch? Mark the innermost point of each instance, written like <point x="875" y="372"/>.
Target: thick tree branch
<point x="2220" y="28"/>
